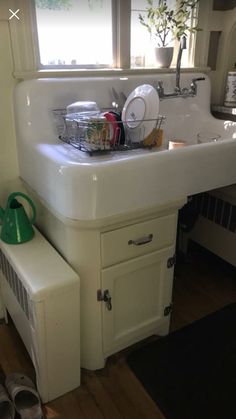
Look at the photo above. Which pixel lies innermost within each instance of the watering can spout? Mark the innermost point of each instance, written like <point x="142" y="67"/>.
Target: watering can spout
<point x="2" y="212"/>
<point x="16" y="226"/>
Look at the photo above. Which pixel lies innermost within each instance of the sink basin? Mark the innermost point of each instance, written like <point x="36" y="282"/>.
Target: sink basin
<point x="85" y="188"/>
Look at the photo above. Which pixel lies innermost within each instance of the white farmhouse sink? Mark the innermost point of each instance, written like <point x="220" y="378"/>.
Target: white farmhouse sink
<point x="81" y="187"/>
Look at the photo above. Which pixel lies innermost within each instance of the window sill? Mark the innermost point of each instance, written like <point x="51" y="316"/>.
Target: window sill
<point x="38" y="74"/>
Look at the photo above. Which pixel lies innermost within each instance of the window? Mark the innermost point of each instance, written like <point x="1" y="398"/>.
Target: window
<point x="142" y="46"/>
<point x="74" y="33"/>
<point x="84" y="34"/>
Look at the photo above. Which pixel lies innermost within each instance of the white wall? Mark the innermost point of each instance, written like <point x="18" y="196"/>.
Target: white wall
<point x="224" y="21"/>
<point x="8" y="159"/>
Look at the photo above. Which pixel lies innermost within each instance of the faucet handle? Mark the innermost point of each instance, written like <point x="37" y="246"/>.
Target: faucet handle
<point x="194" y="81"/>
<point x="198" y="79"/>
<point x="194" y="84"/>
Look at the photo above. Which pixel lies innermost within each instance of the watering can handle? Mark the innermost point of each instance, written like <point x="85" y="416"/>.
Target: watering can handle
<point x="15" y="194"/>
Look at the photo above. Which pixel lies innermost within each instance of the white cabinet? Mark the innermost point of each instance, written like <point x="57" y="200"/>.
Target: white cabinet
<point x="136" y="281"/>
<point x="140" y="291"/>
<point x="129" y="259"/>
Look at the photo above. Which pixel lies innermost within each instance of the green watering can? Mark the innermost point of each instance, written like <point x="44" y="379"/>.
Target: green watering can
<point x="16" y="226"/>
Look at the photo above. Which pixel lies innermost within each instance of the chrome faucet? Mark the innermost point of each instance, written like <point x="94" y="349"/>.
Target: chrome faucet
<point x="182" y="46"/>
<point x="178" y="92"/>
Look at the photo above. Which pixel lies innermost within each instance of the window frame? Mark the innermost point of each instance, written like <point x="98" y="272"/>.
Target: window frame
<point x="25" y="48"/>
<point x="41" y="66"/>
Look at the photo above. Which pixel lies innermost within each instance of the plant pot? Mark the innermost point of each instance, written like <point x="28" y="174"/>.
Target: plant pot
<point x="164" y="56"/>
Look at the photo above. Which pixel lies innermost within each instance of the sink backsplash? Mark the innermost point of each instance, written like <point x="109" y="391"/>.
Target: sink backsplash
<point x="35" y="100"/>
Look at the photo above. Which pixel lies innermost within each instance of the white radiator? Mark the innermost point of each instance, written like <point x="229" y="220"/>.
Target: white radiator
<point x="41" y="293"/>
<point x="215" y="228"/>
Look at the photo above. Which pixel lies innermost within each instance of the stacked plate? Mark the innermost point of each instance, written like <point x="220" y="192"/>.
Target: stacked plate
<point x="140" y="113"/>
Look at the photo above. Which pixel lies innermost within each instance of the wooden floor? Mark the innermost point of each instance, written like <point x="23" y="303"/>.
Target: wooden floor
<point x="202" y="285"/>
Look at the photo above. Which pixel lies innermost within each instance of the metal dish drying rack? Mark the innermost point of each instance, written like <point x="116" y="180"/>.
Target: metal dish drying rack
<point x="98" y="135"/>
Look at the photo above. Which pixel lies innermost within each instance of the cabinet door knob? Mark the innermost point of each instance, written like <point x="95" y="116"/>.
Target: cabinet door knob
<point x="141" y="240"/>
<point x="107" y="300"/>
<point x="106" y="297"/>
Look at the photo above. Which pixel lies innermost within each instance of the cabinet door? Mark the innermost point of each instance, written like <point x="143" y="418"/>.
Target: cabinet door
<point x="140" y="290"/>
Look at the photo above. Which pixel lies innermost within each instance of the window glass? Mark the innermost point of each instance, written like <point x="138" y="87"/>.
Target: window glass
<point x="74" y="32"/>
<point x="142" y="45"/>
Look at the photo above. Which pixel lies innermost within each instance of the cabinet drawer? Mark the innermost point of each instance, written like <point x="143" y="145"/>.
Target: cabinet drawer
<point x="137" y="239"/>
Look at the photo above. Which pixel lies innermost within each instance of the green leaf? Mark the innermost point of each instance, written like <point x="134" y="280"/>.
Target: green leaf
<point x="162" y="20"/>
<point x="53" y="4"/>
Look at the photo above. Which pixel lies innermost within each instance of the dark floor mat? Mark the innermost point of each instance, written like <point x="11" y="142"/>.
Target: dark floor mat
<point x="191" y="373"/>
<point x="2" y="376"/>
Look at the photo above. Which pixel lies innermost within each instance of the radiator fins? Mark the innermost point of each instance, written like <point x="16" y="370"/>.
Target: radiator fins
<point x="15" y="283"/>
<point x="215" y="209"/>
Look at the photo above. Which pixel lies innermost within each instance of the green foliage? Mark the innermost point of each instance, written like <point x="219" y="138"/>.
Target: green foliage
<point x="61" y="4"/>
<point x="53" y="4"/>
<point x="91" y="3"/>
<point x="166" y="24"/>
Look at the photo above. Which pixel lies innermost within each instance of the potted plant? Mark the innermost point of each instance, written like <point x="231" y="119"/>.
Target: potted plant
<point x="166" y="24"/>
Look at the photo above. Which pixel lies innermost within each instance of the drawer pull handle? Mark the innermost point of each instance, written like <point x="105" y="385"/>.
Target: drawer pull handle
<point x="142" y="240"/>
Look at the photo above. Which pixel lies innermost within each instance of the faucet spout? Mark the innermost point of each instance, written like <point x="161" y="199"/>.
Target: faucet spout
<point x="182" y="46"/>
<point x="178" y="92"/>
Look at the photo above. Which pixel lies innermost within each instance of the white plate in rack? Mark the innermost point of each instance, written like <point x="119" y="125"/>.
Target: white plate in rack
<point x="140" y="112"/>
